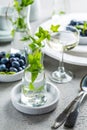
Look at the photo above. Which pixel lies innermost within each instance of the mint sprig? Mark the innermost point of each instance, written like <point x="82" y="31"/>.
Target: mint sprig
<point x="34" y="59"/>
<point x="82" y="27"/>
<point x="54" y="28"/>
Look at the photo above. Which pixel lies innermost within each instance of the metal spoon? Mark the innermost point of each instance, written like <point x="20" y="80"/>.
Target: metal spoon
<point x="63" y="116"/>
<point x="72" y="117"/>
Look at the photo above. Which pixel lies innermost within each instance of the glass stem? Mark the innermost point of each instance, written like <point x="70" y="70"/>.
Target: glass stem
<point x="61" y="68"/>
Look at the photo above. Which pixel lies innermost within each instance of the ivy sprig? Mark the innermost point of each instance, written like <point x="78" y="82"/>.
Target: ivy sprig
<point x="34" y="59"/>
<point x="19" y="23"/>
<point x="37" y="41"/>
<point x="54" y="28"/>
<point x="35" y="65"/>
<point x="82" y="27"/>
<point x="24" y="3"/>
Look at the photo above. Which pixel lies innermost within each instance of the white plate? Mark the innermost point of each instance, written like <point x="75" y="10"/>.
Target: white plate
<point x="53" y="95"/>
<point x="68" y="58"/>
<point x="78" y="55"/>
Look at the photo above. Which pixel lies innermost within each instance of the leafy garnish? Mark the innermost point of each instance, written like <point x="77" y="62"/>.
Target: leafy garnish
<point x="26" y="2"/>
<point x="82" y="27"/>
<point x="7" y="73"/>
<point x="20" y="22"/>
<point x="34" y="58"/>
<point x="13" y="32"/>
<point x="61" y="12"/>
<point x="39" y="89"/>
<point x="54" y="28"/>
<point x="31" y="87"/>
<point x="42" y="34"/>
<point x="35" y="65"/>
<point x="36" y="89"/>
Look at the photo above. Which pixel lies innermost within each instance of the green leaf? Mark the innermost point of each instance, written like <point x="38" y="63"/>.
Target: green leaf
<point x="7" y="73"/>
<point x="25" y="89"/>
<point x="20" y="23"/>
<point x="13" y="32"/>
<point x="61" y="12"/>
<point x="34" y="75"/>
<point x="26" y="38"/>
<point x="39" y="89"/>
<point x="43" y="34"/>
<point x="7" y="55"/>
<point x="32" y="46"/>
<point x="17" y="6"/>
<point x="54" y="28"/>
<point x="31" y="86"/>
<point x="82" y="27"/>
<point x="26" y="2"/>
<point x="79" y="26"/>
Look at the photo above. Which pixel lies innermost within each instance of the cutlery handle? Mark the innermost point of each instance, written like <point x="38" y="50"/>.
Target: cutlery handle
<point x="71" y="119"/>
<point x="62" y="117"/>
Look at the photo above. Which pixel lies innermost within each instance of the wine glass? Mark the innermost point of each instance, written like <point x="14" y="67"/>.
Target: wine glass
<point x="66" y="39"/>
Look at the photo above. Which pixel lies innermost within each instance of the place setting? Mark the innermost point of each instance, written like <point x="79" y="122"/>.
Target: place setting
<point x="43" y="65"/>
<point x="34" y="95"/>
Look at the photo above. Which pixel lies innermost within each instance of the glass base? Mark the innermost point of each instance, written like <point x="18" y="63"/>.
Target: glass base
<point x="61" y="77"/>
<point x="34" y="99"/>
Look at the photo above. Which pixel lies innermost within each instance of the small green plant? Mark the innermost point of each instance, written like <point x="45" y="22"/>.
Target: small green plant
<point x="19" y="22"/>
<point x="36" y="42"/>
<point x="35" y="66"/>
<point x="83" y="27"/>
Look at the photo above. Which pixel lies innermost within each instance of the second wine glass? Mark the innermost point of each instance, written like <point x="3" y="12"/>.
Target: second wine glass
<point x="66" y="39"/>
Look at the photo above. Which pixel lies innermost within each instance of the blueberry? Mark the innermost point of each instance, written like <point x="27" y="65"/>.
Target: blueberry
<point x="17" y="55"/>
<point x="2" y="54"/>
<point x="73" y="22"/>
<point x="23" y="67"/>
<point x="12" y="55"/>
<point x="16" y="58"/>
<point x="15" y="64"/>
<point x="23" y="58"/>
<point x="2" y="67"/>
<point x="4" y="60"/>
<point x="20" y="69"/>
<point x="80" y="22"/>
<point x="85" y="32"/>
<point x="8" y="64"/>
<point x="82" y="34"/>
<point x="21" y="62"/>
<point x="13" y="69"/>
<point x="12" y="59"/>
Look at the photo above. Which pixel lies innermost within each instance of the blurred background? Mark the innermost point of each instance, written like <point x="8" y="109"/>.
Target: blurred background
<point x="48" y="7"/>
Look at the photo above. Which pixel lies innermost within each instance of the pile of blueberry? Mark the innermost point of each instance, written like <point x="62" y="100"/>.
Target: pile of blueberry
<point x="12" y="63"/>
<point x="80" y="25"/>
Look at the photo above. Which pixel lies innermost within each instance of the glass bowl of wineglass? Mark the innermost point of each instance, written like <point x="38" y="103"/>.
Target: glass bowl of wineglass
<point x="64" y="40"/>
